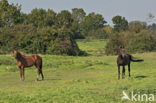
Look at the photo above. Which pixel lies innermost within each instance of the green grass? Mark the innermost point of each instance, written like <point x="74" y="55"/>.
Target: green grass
<point x="68" y="79"/>
<point x="92" y="47"/>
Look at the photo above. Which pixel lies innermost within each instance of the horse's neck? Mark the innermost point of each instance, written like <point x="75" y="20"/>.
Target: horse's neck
<point x="123" y="56"/>
<point x="21" y="58"/>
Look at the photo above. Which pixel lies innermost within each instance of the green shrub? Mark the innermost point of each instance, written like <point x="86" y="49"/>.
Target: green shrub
<point x="115" y="41"/>
<point x="133" y="42"/>
<point x="48" y="40"/>
<point x="142" y="42"/>
<point x="7" y="60"/>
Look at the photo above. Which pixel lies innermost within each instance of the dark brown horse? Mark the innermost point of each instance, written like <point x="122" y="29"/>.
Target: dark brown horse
<point x="124" y="59"/>
<point x="28" y="61"/>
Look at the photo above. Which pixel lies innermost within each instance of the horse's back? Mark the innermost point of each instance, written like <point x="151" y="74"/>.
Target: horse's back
<point x="38" y="59"/>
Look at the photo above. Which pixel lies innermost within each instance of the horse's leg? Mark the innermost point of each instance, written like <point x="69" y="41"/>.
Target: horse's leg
<point x="20" y="69"/>
<point x="41" y="73"/>
<point x="123" y="72"/>
<point x="129" y="70"/>
<point x="39" y="70"/>
<point x="118" y="72"/>
<point x="38" y="73"/>
<point x="22" y="73"/>
<point x="38" y="65"/>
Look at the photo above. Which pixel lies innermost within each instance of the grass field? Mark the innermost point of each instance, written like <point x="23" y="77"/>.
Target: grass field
<point x="68" y="79"/>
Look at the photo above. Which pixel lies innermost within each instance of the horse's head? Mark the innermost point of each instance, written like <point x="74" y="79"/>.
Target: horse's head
<point x="16" y="54"/>
<point x="122" y="51"/>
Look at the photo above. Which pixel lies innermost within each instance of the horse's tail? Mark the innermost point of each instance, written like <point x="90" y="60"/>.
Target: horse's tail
<point x="41" y="69"/>
<point x="41" y="64"/>
<point x="138" y="60"/>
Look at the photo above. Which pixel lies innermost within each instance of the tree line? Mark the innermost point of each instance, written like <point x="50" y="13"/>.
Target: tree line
<point x="45" y="31"/>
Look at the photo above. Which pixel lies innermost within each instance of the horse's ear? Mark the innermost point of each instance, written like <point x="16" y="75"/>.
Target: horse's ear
<point x="14" y="50"/>
<point x="121" y="47"/>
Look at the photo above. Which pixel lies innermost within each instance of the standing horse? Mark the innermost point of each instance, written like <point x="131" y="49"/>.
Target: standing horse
<point x="28" y="61"/>
<point x="124" y="59"/>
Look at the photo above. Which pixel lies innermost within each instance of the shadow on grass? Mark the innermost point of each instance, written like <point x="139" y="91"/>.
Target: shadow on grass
<point x="47" y="79"/>
<point x="52" y="79"/>
<point x="141" y="76"/>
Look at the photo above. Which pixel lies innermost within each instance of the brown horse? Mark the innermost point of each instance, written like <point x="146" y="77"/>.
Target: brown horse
<point x="124" y="59"/>
<point x="28" y="61"/>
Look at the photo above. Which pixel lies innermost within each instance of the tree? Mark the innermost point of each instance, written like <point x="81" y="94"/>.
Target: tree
<point x="78" y="16"/>
<point x="9" y="14"/>
<point x="91" y="23"/>
<point x="152" y="28"/>
<point x="108" y="29"/>
<point x="40" y="18"/>
<point x="50" y="17"/>
<point x="150" y="17"/>
<point x="120" y="23"/>
<point x="137" y="26"/>
<point x="64" y="19"/>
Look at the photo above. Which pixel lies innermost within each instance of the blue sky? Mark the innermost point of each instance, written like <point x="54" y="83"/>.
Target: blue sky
<point x="130" y="9"/>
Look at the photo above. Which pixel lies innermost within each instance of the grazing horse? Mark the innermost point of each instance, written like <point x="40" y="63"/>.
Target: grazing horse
<point x="124" y="59"/>
<point x="28" y="61"/>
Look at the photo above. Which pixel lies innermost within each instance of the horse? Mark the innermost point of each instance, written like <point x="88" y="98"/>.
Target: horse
<point x="28" y="61"/>
<point x="124" y="59"/>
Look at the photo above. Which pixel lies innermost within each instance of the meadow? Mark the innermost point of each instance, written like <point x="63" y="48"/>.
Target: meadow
<point x="77" y="79"/>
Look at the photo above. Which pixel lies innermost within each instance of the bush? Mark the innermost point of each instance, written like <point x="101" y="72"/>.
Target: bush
<point x="115" y="41"/>
<point x="48" y="40"/>
<point x="142" y="42"/>
<point x="133" y="42"/>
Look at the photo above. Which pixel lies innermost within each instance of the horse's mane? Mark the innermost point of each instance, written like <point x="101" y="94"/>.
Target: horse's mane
<point x="19" y="55"/>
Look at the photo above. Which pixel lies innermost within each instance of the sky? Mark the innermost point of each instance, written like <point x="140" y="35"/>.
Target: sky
<point x="130" y="9"/>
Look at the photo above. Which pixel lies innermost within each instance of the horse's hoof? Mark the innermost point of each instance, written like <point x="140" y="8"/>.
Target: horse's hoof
<point x="21" y="79"/>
